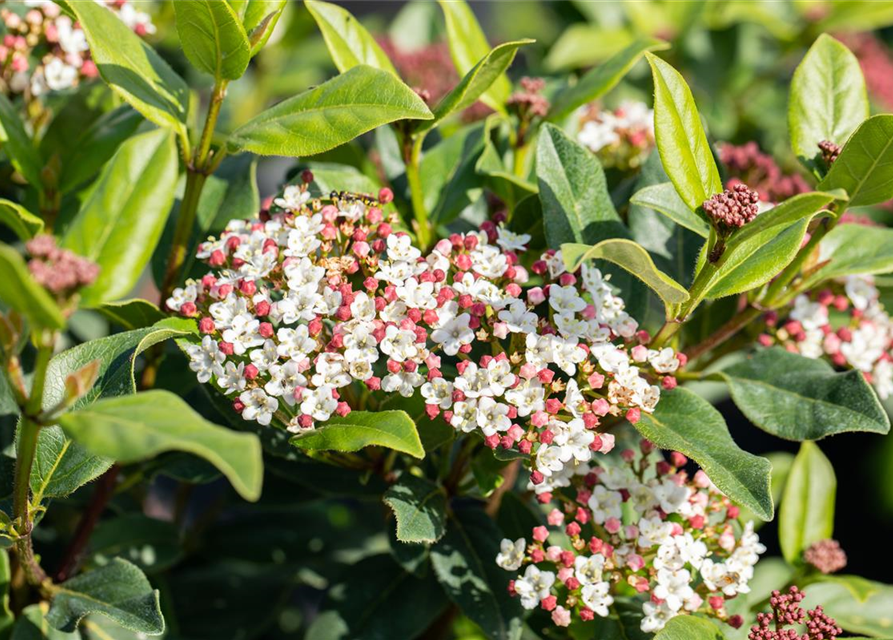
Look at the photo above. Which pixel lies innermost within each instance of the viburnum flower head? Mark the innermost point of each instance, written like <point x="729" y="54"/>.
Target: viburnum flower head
<point x="787" y="615"/>
<point x="733" y="208"/>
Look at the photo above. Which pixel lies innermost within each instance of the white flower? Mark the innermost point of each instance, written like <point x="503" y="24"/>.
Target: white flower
<point x="453" y="334"/>
<point x="258" y="406"/>
<point x="511" y="554"/>
<point x="292" y="199"/>
<point x="518" y="318"/>
<point x="205" y="359"/>
<point x="243" y="333"/>
<point x="233" y="378"/>
<point x="673" y="586"/>
<point x="528" y="397"/>
<point x="511" y="241"/>
<point x="565" y="300"/>
<point x="400" y="248"/>
<point x="656" y="616"/>
<point x="399" y="344"/>
<point x="331" y="370"/>
<point x="605" y="504"/>
<point x="492" y="416"/>
<point x="596" y="597"/>
<point x="319" y="403"/>
<point x="672" y="497"/>
<point x="285" y="379"/>
<point x="404" y="383"/>
<point x="861" y="291"/>
<point x="589" y="569"/>
<point x="534" y="586"/>
<point x="295" y="344"/>
<point x="438" y="392"/>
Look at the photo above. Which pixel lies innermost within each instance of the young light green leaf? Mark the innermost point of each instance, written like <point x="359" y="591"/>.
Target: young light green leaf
<point x="828" y="99"/>
<point x="118" y="591"/>
<point x="18" y="145"/>
<point x="689" y="424"/>
<point x="806" y="515"/>
<point x="463" y="563"/>
<point x="664" y="199"/>
<point x="602" y="78"/>
<point x="419" y="506"/>
<point x="864" y="168"/>
<point x="140" y="426"/>
<point x="476" y="82"/>
<point x="19" y="291"/>
<point x="329" y="115"/>
<point x="23" y="223"/>
<point x="128" y="207"/>
<point x="260" y="18"/>
<point x="849" y="250"/>
<point x="358" y="429"/>
<point x="132" y="68"/>
<point x="681" y="140"/>
<point x="213" y="38"/>
<point x="630" y="256"/>
<point x="348" y="41"/>
<point x="6" y="617"/>
<point x="800" y="398"/>
<point x="32" y="625"/>
<point x="468" y="45"/>
<point x="689" y="628"/>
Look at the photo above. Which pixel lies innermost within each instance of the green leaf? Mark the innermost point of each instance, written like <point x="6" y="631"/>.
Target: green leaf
<point x="689" y="628"/>
<point x="468" y="44"/>
<point x="664" y="199"/>
<point x="23" y="223"/>
<point x="358" y="429"/>
<point x="516" y="517"/>
<point x="806" y="515"/>
<point x="135" y="313"/>
<point x="463" y="562"/>
<point x="32" y="625"/>
<point x="587" y="45"/>
<point x="602" y="78"/>
<point x="347" y="40"/>
<point x="377" y="600"/>
<point x="632" y="257"/>
<point x="118" y="591"/>
<point x="800" y="398"/>
<point x="260" y="18"/>
<point x="689" y="424"/>
<point x="132" y="68"/>
<point x="6" y="617"/>
<point x="681" y="141"/>
<point x="828" y="99"/>
<point x="576" y="204"/>
<point x="95" y="146"/>
<point x="849" y="250"/>
<point x="18" y="145"/>
<point x="450" y="181"/>
<point x="864" y="168"/>
<point x="329" y="177"/>
<point x="19" y="291"/>
<point x="870" y="617"/>
<point x="137" y="427"/>
<point x="329" y="115"/>
<point x="127" y="208"/>
<point x="213" y="38"/>
<point x="475" y="83"/>
<point x="419" y="506"/>
<point x="152" y="545"/>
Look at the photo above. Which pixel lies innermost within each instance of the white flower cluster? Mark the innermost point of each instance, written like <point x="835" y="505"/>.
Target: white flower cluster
<point x="622" y="137"/>
<point x="674" y="539"/>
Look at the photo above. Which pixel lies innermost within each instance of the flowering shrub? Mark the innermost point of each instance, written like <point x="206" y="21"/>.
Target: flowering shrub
<point x="465" y="371"/>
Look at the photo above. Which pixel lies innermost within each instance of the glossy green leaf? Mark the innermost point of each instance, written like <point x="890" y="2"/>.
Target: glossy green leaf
<point x="23" y="223"/>
<point x="587" y="45"/>
<point x="576" y="204"/>
<point x="419" y="506"/>
<point x="213" y="38"/>
<point x="849" y="250"/>
<point x="18" y="145"/>
<point x="32" y="625"/>
<point x="259" y="18"/>
<point x="6" y="616"/>
<point x="329" y="115"/>
<point x="806" y="515"/>
<point x="128" y="207"/>
<point x="348" y="41"/>
<point x="681" y="140"/>
<point x="664" y="199"/>
<point x="828" y="99"/>
<point x="871" y="617"/>
<point x="132" y="68"/>
<point x="463" y="563"/>
<point x="468" y="44"/>
<point x="689" y="424"/>
<point x="476" y="82"/>
<point x="602" y="78"/>
<point x="118" y="591"/>
<point x="152" y="545"/>
<point x="329" y="177"/>
<point x="131" y="314"/>
<point x="799" y="398"/>
<point x="358" y="429"/>
<point x="864" y="168"/>
<point x="630" y="256"/>
<point x="19" y="291"/>
<point x="137" y="427"/>
<point x="448" y="171"/>
<point x="689" y="628"/>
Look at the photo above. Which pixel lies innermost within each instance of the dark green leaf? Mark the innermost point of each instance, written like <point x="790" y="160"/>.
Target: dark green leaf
<point x="864" y="168"/>
<point x="348" y="41"/>
<point x="419" y="506"/>
<point x="806" y="515"/>
<point x="32" y="625"/>
<point x="18" y="145"/>
<point x="131" y="314"/>
<point x="152" y="545"/>
<point x="449" y="179"/>
<point x="358" y="429"/>
<point x="24" y="224"/>
<point x="118" y="591"/>
<point x="664" y="199"/>
<point x="329" y="115"/>
<point x="516" y="517"/>
<point x="213" y="38"/>
<point x="19" y="291"/>
<point x="687" y="423"/>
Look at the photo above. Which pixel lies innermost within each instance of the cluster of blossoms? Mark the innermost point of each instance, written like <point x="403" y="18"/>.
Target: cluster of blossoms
<point x="733" y="208"/>
<point x="59" y="271"/>
<point x="621" y="138"/>
<point x="826" y="555"/>
<point x="529" y="102"/>
<point x="786" y="612"/>
<point x="747" y="164"/>
<point x="637" y="528"/>
<point x="45" y="50"/>
<point x="844" y="323"/>
<point x="322" y="297"/>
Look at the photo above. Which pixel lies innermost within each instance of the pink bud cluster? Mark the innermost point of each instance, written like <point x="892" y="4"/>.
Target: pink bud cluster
<point x="844" y="323"/>
<point x="45" y="50"/>
<point x="637" y="525"/>
<point x="529" y="101"/>
<point x="830" y="151"/>
<point x="621" y="138"/>
<point x="747" y="164"/>
<point x="323" y="301"/>
<point x="59" y="271"/>
<point x="786" y="612"/>
<point x="733" y="208"/>
<point x="826" y="555"/>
